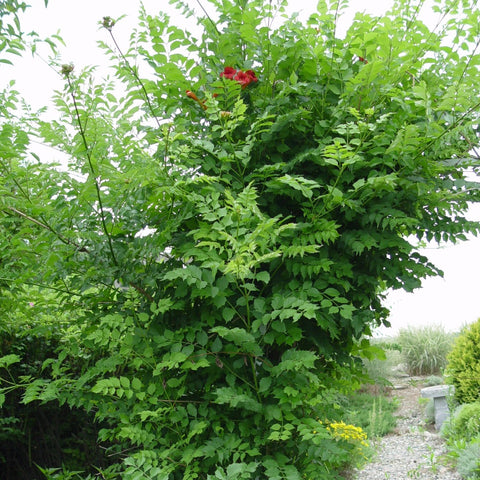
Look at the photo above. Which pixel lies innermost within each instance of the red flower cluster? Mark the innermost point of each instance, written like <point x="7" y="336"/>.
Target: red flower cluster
<point x="243" y="78"/>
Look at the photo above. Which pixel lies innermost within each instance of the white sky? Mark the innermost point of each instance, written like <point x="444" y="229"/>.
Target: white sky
<point x="451" y="302"/>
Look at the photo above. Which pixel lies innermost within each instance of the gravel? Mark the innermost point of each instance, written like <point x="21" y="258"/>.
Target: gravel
<point x="414" y="450"/>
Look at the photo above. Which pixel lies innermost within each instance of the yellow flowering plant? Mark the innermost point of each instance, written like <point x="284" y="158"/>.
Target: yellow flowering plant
<point x="350" y="433"/>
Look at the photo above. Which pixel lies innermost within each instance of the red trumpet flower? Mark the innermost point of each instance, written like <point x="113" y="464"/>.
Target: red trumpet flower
<point x="191" y="95"/>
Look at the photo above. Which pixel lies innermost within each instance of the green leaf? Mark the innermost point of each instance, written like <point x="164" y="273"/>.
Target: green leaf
<point x="136" y="384"/>
<point x="235" y="399"/>
<point x="263" y="277"/>
<point x="202" y="338"/>
<point x="264" y="384"/>
<point x="228" y="314"/>
<point x="125" y="382"/>
<point x="8" y="360"/>
<point x="239" y="336"/>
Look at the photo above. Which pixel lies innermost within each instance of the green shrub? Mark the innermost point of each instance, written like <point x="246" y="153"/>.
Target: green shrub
<point x="462" y="434"/>
<point x="463" y="367"/>
<point x="32" y="434"/>
<point x="425" y="349"/>
<point x="278" y="204"/>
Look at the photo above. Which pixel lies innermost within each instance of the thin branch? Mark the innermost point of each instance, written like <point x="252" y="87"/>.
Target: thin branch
<point x="208" y="16"/>
<point x="142" y="291"/>
<point x="89" y="159"/>
<point x="135" y="74"/>
<point x="63" y="239"/>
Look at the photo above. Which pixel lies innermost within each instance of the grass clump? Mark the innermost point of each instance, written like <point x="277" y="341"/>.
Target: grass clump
<point x="425" y="349"/>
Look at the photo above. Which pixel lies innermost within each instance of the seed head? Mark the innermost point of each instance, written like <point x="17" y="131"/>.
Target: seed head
<point x="108" y="23"/>
<point x="67" y="69"/>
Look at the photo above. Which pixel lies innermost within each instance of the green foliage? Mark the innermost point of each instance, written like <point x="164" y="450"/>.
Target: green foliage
<point x="462" y="434"/>
<point x="12" y="39"/>
<point x="425" y="349"/>
<point x="219" y="256"/>
<point x="10" y="29"/>
<point x="463" y="368"/>
<point x="464" y="453"/>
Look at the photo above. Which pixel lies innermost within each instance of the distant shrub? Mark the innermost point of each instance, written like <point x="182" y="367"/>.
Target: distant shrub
<point x="433" y="380"/>
<point x="381" y="370"/>
<point x="425" y="349"/>
<point x="429" y="410"/>
<point x="463" y="367"/>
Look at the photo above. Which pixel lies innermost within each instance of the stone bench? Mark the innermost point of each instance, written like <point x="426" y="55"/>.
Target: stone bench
<point x="439" y="394"/>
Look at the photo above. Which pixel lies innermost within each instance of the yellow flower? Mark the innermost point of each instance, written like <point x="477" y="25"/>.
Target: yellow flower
<point x="349" y="433"/>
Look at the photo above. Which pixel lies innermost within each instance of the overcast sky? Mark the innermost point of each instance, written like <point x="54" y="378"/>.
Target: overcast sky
<point x="450" y="302"/>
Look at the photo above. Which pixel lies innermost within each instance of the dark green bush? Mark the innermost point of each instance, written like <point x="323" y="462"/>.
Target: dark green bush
<point x="32" y="434"/>
<point x="463" y="367"/>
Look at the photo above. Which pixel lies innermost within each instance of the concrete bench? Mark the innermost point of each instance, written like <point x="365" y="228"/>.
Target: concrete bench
<point x="439" y="394"/>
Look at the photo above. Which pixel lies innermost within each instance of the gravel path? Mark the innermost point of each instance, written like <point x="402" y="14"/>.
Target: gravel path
<point x="414" y="450"/>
